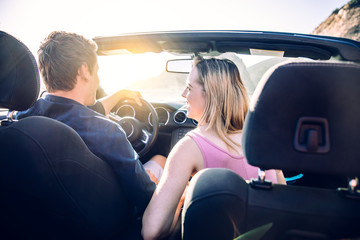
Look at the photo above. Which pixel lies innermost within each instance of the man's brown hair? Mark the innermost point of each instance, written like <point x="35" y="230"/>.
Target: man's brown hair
<point x="61" y="54"/>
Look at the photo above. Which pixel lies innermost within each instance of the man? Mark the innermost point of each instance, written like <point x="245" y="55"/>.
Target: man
<point x="68" y="64"/>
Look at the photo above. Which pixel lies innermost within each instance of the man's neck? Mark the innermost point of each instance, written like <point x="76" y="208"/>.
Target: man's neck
<point x="71" y="95"/>
<point x="81" y="93"/>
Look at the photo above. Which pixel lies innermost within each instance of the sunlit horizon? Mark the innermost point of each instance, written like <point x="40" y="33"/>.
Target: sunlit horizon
<point x="32" y="21"/>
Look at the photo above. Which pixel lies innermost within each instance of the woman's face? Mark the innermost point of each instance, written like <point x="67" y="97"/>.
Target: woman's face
<point x="195" y="96"/>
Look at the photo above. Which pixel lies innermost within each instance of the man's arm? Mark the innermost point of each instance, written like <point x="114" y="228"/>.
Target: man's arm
<point x="109" y="143"/>
<point x="110" y="101"/>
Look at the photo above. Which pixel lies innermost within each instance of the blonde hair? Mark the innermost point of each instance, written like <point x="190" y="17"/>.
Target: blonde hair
<point x="227" y="101"/>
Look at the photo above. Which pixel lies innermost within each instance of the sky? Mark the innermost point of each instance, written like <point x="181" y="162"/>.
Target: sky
<point x="32" y="20"/>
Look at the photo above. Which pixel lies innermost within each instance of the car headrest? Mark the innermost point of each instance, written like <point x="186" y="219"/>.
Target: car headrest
<point x="305" y="116"/>
<point x="19" y="75"/>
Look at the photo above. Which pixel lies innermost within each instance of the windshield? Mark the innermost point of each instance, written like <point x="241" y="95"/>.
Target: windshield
<point x="144" y="72"/>
<point x="147" y="73"/>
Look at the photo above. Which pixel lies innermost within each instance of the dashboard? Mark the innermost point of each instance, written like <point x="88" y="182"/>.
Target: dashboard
<point x="173" y="122"/>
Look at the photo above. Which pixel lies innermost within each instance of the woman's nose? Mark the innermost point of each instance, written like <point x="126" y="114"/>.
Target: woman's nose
<point x="184" y="93"/>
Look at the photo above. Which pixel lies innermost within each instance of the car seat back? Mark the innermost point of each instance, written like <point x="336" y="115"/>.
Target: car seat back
<point x="52" y="186"/>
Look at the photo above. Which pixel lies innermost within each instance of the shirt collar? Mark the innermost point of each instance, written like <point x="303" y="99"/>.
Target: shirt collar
<point x="57" y="99"/>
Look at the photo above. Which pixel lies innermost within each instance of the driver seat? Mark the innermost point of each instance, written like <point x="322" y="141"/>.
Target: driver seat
<point x="52" y="186"/>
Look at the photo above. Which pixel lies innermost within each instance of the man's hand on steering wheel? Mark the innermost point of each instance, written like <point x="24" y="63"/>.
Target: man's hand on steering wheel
<point x="131" y="95"/>
<point x="111" y="100"/>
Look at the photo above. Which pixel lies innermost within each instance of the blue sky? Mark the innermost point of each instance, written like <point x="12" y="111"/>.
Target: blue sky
<point x="32" y="20"/>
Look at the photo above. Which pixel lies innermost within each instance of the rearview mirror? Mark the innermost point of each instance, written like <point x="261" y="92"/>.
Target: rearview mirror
<point x="179" y="65"/>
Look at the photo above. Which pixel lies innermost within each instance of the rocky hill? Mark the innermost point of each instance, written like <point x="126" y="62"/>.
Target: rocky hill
<point x="343" y="22"/>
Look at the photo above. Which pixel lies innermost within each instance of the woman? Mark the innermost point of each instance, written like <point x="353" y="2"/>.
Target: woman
<point x="217" y="99"/>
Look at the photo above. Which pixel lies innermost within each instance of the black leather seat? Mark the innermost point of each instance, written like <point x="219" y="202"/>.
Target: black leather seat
<point x="52" y="186"/>
<point x="304" y="117"/>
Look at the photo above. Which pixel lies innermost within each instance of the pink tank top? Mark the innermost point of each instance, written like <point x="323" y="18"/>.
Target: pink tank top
<point x="216" y="157"/>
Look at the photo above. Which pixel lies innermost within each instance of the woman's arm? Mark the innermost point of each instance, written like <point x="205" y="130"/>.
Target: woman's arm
<point x="163" y="210"/>
<point x="280" y="177"/>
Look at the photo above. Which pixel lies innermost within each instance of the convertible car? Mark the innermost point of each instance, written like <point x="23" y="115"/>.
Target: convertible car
<point x="303" y="119"/>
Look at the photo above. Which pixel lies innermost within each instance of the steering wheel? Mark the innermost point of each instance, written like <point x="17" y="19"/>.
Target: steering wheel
<point x="140" y="135"/>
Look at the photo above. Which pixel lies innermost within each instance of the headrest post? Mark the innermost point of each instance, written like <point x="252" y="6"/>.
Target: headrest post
<point x="352" y="190"/>
<point x="261" y="182"/>
<point x="9" y="118"/>
<point x="261" y="175"/>
<point x="353" y="185"/>
<point x="10" y="115"/>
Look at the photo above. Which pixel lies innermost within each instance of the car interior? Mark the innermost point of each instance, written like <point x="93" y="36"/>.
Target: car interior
<point x="46" y="170"/>
<point x="303" y="119"/>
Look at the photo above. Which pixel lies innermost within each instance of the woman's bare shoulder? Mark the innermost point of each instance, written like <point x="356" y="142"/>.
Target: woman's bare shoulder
<point x="187" y="150"/>
<point x="185" y="144"/>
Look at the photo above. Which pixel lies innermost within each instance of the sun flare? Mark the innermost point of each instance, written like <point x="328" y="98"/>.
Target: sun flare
<point x="121" y="71"/>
